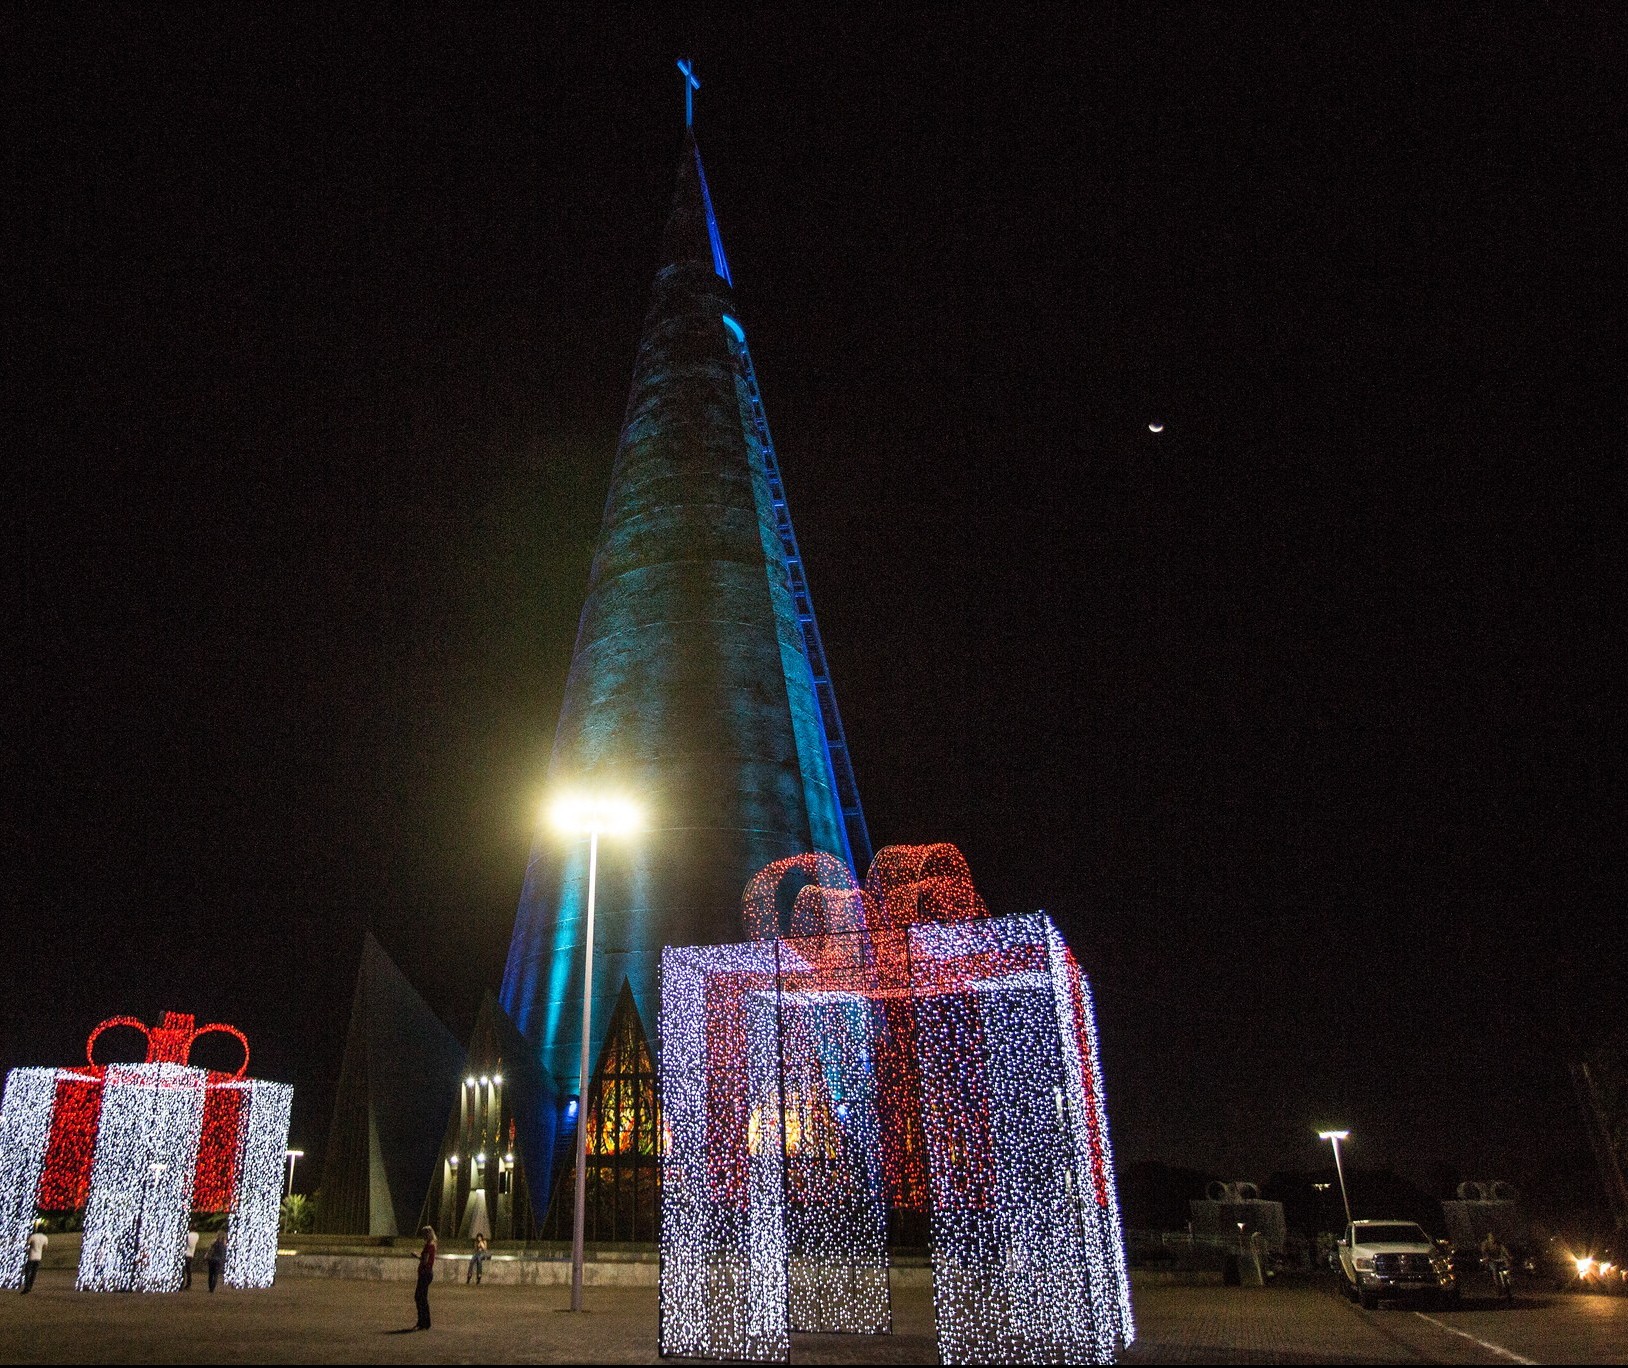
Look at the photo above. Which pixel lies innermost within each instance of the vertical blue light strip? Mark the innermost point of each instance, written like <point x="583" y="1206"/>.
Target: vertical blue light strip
<point x="718" y="263"/>
<point x="839" y="772"/>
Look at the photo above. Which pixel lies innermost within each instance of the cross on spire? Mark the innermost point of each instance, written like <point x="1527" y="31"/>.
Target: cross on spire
<point x="691" y="85"/>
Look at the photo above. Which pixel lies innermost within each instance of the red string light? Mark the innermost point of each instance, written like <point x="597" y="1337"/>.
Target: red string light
<point x="65" y="1179"/>
<point x="832" y="900"/>
<point x="898" y="1041"/>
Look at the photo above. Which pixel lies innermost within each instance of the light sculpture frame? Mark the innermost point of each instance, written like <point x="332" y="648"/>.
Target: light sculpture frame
<point x="791" y="1067"/>
<point x="141" y="1142"/>
<point x="134" y="1234"/>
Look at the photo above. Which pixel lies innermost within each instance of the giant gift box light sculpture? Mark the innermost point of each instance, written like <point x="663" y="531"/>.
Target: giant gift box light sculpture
<point x="895" y="1046"/>
<point x="140" y="1147"/>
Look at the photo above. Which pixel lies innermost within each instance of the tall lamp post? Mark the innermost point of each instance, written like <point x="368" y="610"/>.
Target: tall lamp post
<point x="1334" y="1138"/>
<point x="594" y="816"/>
<point x="292" y="1155"/>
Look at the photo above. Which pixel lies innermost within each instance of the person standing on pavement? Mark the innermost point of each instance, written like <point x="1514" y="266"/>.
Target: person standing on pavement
<point x="426" y="1275"/>
<point x="191" y="1254"/>
<point x="216" y="1259"/>
<point x="476" y="1259"/>
<point x="36" y="1252"/>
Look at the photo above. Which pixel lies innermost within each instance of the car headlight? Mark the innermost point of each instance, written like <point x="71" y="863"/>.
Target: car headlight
<point x="1364" y="1264"/>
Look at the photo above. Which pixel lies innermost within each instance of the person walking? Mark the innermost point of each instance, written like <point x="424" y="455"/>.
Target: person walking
<point x="426" y="1275"/>
<point x="216" y="1259"/>
<point x="186" y="1263"/>
<point x="476" y="1259"/>
<point x="36" y="1252"/>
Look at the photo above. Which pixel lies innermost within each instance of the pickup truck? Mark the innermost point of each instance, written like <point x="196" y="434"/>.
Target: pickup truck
<point x="1391" y="1259"/>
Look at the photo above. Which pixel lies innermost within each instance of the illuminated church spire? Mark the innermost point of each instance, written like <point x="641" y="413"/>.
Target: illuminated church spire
<point x="698" y="685"/>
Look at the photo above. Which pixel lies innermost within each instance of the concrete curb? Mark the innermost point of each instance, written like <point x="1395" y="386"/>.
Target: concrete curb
<point x="510" y="1269"/>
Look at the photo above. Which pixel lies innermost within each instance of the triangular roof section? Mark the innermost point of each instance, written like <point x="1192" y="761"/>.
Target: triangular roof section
<point x="397" y="1081"/>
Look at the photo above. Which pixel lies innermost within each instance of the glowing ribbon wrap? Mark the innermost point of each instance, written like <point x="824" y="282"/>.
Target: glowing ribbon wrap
<point x="140" y="1147"/>
<point x="899" y="1048"/>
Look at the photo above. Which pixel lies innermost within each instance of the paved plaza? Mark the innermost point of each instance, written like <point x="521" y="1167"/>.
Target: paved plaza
<point x="307" y="1320"/>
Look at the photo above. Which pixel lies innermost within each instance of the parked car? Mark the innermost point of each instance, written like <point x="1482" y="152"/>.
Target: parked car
<point x="1395" y="1259"/>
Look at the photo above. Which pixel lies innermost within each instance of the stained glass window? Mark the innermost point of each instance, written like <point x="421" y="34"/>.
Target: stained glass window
<point x="623" y="1140"/>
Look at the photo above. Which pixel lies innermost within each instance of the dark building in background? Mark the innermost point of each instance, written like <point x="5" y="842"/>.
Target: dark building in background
<point x="480" y="1182"/>
<point x="698" y="689"/>
<point x="398" y="1080"/>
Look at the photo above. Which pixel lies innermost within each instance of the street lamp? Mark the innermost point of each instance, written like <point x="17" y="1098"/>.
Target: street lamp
<point x="292" y="1155"/>
<point x="577" y="814"/>
<point x="1334" y="1138"/>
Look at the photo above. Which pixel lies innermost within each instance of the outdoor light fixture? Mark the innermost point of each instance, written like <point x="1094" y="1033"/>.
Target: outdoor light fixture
<point x="583" y="813"/>
<point x="1334" y="1137"/>
<point x="291" y="1156"/>
<point x="469" y="1082"/>
<point x="485" y="1082"/>
<point x="498" y="1079"/>
<point x="592" y="815"/>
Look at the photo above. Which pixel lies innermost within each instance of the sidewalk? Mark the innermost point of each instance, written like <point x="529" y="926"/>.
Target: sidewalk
<point x="337" y="1320"/>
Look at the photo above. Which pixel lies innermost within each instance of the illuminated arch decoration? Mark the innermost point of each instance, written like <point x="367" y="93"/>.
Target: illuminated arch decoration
<point x="140" y="1147"/>
<point x="922" y="883"/>
<point x="831" y="901"/>
<point x="907" y="1048"/>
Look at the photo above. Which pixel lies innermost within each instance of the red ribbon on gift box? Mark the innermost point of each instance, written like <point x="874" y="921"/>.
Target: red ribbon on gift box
<point x="65" y="1181"/>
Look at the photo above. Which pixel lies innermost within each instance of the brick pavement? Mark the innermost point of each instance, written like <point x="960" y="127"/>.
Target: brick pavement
<point x="1293" y="1324"/>
<point x="307" y="1320"/>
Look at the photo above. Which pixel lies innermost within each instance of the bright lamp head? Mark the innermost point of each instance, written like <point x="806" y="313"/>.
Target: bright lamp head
<point x="1333" y="1135"/>
<point x="581" y="813"/>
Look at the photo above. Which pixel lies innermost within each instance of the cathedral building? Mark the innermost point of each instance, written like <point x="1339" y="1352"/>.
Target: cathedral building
<point x="699" y="692"/>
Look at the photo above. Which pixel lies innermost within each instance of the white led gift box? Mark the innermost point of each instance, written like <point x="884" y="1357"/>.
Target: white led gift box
<point x="898" y="1047"/>
<point x="139" y="1148"/>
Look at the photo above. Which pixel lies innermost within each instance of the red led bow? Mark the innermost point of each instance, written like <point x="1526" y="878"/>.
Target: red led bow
<point x="66" y="1177"/>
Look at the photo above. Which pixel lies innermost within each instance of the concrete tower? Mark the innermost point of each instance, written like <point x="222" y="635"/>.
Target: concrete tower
<point x="698" y="686"/>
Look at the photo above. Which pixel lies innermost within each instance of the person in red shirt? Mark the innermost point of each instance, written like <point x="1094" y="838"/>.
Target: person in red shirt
<point x="426" y="1275"/>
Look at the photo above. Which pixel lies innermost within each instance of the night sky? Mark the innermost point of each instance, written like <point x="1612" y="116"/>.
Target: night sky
<point x="1301" y="717"/>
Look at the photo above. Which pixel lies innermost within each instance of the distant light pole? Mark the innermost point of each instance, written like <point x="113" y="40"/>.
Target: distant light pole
<point x="593" y="815"/>
<point x="1334" y="1138"/>
<point x="292" y="1155"/>
<point x="1322" y="1196"/>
